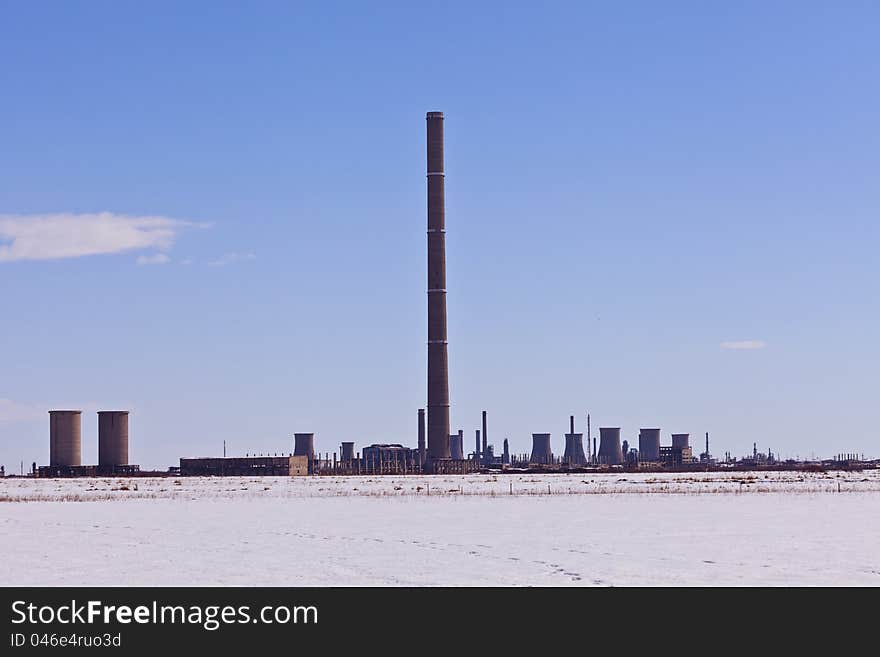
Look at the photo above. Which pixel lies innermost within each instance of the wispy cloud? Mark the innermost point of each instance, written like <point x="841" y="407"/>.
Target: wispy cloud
<point x="12" y="412"/>
<point x="744" y="344"/>
<point x="55" y="236"/>
<point x="230" y="258"/>
<point x="155" y="259"/>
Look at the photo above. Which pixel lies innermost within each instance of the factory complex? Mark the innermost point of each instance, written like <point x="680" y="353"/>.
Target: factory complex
<point x="437" y="450"/>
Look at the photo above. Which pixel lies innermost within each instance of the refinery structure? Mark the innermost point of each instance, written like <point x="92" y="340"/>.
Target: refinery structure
<point x="437" y="449"/>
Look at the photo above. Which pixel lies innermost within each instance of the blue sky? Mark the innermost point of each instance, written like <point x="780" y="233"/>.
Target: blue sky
<point x="213" y="214"/>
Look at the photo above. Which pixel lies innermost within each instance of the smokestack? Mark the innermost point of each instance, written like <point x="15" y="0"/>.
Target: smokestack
<point x="707" y="445"/>
<point x="541" y="452"/>
<point x="589" y="439"/>
<point x="421" y="436"/>
<point x="477" y="446"/>
<point x="485" y="437"/>
<point x="505" y="455"/>
<point x="610" y="451"/>
<point x="438" y="362"/>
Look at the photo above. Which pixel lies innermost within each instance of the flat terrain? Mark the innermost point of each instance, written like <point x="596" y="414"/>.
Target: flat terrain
<point x="611" y="529"/>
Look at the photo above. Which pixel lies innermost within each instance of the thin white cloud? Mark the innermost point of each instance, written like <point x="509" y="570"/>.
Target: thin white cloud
<point x="155" y="259"/>
<point x="230" y="258"/>
<point x="55" y="236"/>
<point x="12" y="412"/>
<point x="744" y="344"/>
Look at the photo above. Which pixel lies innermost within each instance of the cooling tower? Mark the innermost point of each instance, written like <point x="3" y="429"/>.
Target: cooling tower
<point x="438" y="363"/>
<point x="649" y="444"/>
<point x="65" y="438"/>
<point x="112" y="438"/>
<point x="610" y="451"/>
<point x="541" y="452"/>
<point x="346" y="452"/>
<point x="681" y="439"/>
<point x="574" y="449"/>
<point x="421" y="436"/>
<point x="456" y="446"/>
<point x="304" y="445"/>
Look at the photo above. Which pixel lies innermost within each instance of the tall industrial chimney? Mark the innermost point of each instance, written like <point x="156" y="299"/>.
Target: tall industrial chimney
<point x="477" y="456"/>
<point x="438" y="362"/>
<point x="485" y="438"/>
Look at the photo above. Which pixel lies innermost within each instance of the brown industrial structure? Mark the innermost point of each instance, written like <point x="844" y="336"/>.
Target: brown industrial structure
<point x="65" y="438"/>
<point x="304" y="445"/>
<point x="112" y="438"/>
<point x="65" y="446"/>
<point x="287" y="466"/>
<point x="438" y="363"/>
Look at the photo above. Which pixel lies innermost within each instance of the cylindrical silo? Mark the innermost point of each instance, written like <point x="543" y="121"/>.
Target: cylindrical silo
<point x="112" y="438"/>
<point x="65" y="438"/>
<point x="649" y="444"/>
<point x="610" y="451"/>
<point x="541" y="452"/>
<point x="681" y="440"/>
<point x="304" y="445"/>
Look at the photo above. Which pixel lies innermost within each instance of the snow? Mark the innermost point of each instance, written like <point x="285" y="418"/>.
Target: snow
<point x="612" y="529"/>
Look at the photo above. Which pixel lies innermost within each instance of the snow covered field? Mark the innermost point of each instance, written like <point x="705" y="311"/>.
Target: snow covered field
<point x="611" y="529"/>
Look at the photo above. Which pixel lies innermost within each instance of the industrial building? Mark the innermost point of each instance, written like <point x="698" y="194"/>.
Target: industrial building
<point x="284" y="466"/>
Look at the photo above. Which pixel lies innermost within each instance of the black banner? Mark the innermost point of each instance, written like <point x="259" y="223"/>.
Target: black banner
<point x="134" y="620"/>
